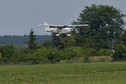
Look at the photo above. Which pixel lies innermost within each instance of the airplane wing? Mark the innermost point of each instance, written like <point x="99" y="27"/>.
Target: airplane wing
<point x="56" y="26"/>
<point x="61" y="26"/>
<point x="78" y="25"/>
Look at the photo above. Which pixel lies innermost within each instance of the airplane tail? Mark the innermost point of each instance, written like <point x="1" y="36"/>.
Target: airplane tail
<point x="47" y="29"/>
<point x="46" y="25"/>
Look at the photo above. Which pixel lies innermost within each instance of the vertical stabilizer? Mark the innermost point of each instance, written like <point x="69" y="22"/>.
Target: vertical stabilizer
<point x="46" y="25"/>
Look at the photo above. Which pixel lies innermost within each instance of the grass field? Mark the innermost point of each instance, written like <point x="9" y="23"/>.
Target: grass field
<point x="87" y="73"/>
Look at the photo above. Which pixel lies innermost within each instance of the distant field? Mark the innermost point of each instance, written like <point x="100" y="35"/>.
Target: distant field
<point x="88" y="73"/>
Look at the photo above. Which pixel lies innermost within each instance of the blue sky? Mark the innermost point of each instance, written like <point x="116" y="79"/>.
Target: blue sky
<point x="17" y="17"/>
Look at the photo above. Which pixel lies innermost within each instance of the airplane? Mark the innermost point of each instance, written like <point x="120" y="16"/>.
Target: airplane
<point x="60" y="29"/>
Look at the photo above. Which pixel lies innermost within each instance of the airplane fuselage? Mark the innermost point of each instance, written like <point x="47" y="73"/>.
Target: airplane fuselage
<point x="56" y="30"/>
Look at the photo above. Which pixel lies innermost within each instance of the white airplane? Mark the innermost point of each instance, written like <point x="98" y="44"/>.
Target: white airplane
<point x="60" y="29"/>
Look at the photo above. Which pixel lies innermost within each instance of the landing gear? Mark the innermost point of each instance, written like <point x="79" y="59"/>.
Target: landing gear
<point x="57" y="34"/>
<point x="68" y="35"/>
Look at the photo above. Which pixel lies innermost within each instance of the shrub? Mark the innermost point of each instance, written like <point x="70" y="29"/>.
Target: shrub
<point x="90" y="52"/>
<point x="105" y="52"/>
<point x="53" y="55"/>
<point x="72" y="52"/>
<point x="38" y="56"/>
<point x="9" y="52"/>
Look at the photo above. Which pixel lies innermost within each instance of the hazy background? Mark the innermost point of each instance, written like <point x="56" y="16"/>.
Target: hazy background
<point x="17" y="17"/>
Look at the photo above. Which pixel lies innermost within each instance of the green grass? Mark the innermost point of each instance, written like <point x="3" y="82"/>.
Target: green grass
<point x="88" y="73"/>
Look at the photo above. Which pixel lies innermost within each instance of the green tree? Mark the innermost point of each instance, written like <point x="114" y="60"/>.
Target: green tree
<point x="0" y="56"/>
<point x="120" y="52"/>
<point x="72" y="52"/>
<point x="53" y="55"/>
<point x="41" y="54"/>
<point x="31" y="43"/>
<point x="47" y="43"/>
<point x="105" y="26"/>
<point x="123" y="38"/>
<point x="56" y="40"/>
<point x="63" y="41"/>
<point x="9" y="52"/>
<point x="68" y="42"/>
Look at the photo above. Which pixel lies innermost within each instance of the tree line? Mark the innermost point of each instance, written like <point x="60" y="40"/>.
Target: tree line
<point x="105" y="36"/>
<point x="20" y="40"/>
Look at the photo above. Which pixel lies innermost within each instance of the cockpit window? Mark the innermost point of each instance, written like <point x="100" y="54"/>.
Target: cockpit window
<point x="65" y="26"/>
